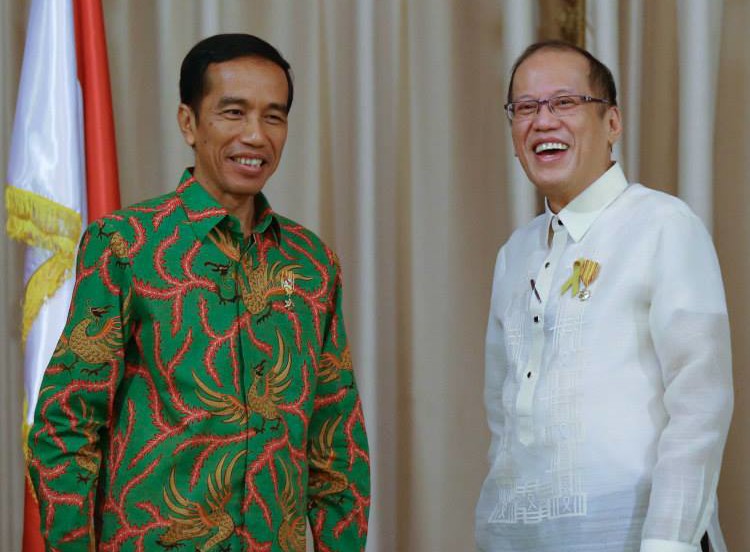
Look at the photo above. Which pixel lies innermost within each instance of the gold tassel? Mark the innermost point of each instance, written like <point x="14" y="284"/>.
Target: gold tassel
<point x="40" y="222"/>
<point x="43" y="223"/>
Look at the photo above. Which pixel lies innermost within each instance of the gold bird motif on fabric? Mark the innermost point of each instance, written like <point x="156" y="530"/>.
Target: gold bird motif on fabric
<point x="88" y="456"/>
<point x="117" y="244"/>
<point x="224" y="242"/>
<point x="331" y="366"/>
<point x="264" y="403"/>
<point x="222" y="404"/>
<point x="189" y="520"/>
<point x="277" y="381"/>
<point x="324" y="480"/>
<point x="97" y="346"/>
<point x="264" y="283"/>
<point x="292" y="529"/>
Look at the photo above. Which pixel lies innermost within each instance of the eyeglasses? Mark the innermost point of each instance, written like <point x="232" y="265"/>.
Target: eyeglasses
<point x="559" y="106"/>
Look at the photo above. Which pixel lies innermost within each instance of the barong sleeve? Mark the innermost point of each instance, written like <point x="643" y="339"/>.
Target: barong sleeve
<point x="690" y="331"/>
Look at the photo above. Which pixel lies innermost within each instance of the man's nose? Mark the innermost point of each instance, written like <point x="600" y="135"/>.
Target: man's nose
<point x="544" y="117"/>
<point x="253" y="132"/>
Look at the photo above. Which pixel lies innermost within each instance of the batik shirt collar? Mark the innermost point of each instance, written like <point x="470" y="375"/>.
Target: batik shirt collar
<point x="204" y="212"/>
<point x="580" y="214"/>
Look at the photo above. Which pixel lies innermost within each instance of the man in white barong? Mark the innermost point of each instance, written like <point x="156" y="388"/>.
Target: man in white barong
<point x="608" y="367"/>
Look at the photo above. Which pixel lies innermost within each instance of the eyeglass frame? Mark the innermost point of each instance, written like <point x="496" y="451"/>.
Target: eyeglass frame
<point x="539" y="103"/>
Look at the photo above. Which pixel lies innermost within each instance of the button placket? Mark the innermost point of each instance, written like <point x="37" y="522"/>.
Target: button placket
<point x="250" y="358"/>
<point x="540" y="293"/>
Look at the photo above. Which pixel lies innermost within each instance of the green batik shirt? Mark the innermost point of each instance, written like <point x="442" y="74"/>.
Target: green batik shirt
<point x="201" y="396"/>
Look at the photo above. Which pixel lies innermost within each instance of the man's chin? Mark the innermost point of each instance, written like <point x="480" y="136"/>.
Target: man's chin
<point x="547" y="183"/>
<point x="245" y="187"/>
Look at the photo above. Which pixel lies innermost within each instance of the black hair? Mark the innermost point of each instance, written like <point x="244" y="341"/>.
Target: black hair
<point x="600" y="77"/>
<point x="225" y="47"/>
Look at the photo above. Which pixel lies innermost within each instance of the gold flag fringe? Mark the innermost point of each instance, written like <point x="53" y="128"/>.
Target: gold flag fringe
<point x="43" y="223"/>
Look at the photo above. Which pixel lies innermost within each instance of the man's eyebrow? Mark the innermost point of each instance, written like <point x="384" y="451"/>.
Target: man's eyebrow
<point x="224" y="101"/>
<point x="559" y="92"/>
<point x="279" y="107"/>
<point x="231" y="100"/>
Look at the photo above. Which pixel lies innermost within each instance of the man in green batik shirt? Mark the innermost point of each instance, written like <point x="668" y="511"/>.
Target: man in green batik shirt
<point x="201" y="396"/>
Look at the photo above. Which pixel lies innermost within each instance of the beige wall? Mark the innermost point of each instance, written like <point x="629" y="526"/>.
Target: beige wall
<point x="732" y="234"/>
<point x="12" y="32"/>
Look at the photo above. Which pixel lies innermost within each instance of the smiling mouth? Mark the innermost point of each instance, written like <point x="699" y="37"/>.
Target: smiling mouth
<point x="249" y="161"/>
<point x="552" y="147"/>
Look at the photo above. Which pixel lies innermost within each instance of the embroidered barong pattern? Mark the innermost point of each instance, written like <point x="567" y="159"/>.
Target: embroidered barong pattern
<point x="608" y="379"/>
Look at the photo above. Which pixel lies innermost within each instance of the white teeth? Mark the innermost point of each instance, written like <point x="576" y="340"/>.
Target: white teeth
<point x="550" y="146"/>
<point x="255" y="162"/>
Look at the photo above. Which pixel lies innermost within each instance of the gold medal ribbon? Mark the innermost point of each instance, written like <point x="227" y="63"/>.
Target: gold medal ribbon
<point x="589" y="271"/>
<point x="585" y="272"/>
<point x="574" y="280"/>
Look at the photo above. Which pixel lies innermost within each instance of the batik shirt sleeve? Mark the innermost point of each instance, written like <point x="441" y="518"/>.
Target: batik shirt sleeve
<point x="339" y="481"/>
<point x="76" y="396"/>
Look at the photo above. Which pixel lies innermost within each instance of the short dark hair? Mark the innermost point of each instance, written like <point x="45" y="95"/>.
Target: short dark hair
<point x="225" y="47"/>
<point x="600" y="77"/>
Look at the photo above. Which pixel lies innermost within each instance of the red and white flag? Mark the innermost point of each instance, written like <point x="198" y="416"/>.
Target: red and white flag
<point x="62" y="171"/>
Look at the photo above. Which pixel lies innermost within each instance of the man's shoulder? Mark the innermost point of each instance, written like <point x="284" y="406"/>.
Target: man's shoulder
<point x="141" y="212"/>
<point x="149" y="208"/>
<point x="654" y="205"/>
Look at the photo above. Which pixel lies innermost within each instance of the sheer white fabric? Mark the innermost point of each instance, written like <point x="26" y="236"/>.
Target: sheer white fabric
<point x="609" y="404"/>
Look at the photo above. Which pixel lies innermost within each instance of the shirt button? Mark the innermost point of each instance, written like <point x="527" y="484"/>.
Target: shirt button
<point x="559" y="222"/>
<point x="536" y="319"/>
<point x="546" y="265"/>
<point x="528" y="375"/>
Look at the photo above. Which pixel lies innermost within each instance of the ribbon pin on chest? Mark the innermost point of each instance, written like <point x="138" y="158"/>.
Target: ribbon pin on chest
<point x="585" y="272"/>
<point x="287" y="284"/>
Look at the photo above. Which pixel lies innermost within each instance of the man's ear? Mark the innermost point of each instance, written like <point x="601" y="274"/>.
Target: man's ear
<point x="186" y="121"/>
<point x="614" y="119"/>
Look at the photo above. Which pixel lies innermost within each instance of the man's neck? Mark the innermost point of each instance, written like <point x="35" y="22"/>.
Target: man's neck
<point x="240" y="207"/>
<point x="246" y="215"/>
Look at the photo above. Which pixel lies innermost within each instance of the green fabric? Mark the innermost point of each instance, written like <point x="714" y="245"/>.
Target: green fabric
<point x="201" y="396"/>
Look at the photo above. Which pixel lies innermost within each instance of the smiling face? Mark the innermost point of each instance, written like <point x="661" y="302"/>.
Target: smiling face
<point x="240" y="129"/>
<point x="562" y="156"/>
